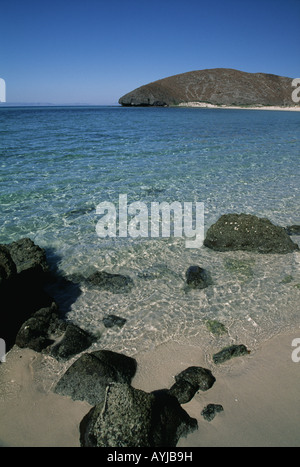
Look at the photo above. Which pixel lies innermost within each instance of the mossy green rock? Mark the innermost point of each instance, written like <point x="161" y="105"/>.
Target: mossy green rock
<point x="239" y="267"/>
<point x="216" y="328"/>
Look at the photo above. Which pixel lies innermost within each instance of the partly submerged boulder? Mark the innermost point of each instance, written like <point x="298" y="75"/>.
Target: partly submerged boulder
<point x="74" y="341"/>
<point x="249" y="233"/>
<point x="23" y="274"/>
<point x="8" y="268"/>
<point x="28" y="257"/>
<point x="130" y="417"/>
<point x="235" y="350"/>
<point x="36" y="333"/>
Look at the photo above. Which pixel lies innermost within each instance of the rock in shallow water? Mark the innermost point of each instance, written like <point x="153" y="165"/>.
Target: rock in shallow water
<point x="36" y="332"/>
<point x="111" y="321"/>
<point x="230" y="352"/>
<point x="249" y="233"/>
<point x="115" y="283"/>
<point x="197" y="277"/>
<point x="293" y="230"/>
<point x="74" y="341"/>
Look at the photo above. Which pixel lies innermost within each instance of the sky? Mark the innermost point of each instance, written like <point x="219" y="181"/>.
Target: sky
<point x="94" y="51"/>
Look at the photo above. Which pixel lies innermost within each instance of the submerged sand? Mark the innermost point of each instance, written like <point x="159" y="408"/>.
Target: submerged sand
<point x="259" y="394"/>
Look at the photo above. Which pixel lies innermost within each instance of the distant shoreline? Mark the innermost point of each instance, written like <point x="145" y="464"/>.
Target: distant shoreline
<point x="204" y="105"/>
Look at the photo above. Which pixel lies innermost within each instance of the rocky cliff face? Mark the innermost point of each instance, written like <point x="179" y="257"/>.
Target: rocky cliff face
<point x="219" y="86"/>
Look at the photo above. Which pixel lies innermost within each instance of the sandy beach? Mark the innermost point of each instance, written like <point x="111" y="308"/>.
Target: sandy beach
<point x="259" y="394"/>
<point x="204" y="105"/>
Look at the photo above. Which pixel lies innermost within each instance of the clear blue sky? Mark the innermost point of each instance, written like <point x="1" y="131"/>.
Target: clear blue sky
<point x="94" y="51"/>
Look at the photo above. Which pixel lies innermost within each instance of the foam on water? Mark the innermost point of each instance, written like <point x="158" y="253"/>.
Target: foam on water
<point x="58" y="164"/>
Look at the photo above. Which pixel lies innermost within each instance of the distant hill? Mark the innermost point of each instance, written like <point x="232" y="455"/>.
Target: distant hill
<point x="218" y="86"/>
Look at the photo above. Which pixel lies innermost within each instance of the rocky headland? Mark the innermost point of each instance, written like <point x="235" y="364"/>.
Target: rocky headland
<point x="218" y="86"/>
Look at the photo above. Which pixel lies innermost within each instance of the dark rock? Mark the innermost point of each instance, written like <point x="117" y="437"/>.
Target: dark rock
<point x="23" y="274"/>
<point x="293" y="230"/>
<point x="219" y="86"/>
<point x="29" y="258"/>
<point x="248" y="233"/>
<point x="125" y="366"/>
<point x="110" y="321"/>
<point x="230" y="352"/>
<point x="88" y="377"/>
<point x="197" y="277"/>
<point x="133" y="418"/>
<point x="199" y="378"/>
<point x="183" y="391"/>
<point x="115" y="283"/>
<point x="170" y="421"/>
<point x="8" y="268"/>
<point x="38" y="331"/>
<point x="210" y="411"/>
<point x="74" y="341"/>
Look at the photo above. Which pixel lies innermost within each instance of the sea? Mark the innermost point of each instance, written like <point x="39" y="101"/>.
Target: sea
<point x="58" y="164"/>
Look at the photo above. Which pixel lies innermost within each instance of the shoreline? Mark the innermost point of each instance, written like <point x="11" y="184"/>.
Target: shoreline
<point x="259" y="393"/>
<point x="204" y="105"/>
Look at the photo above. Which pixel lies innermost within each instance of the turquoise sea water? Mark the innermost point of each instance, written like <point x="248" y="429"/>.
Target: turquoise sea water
<point x="58" y="163"/>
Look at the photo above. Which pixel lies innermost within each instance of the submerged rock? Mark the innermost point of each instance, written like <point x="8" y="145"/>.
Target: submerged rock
<point x="249" y="233"/>
<point x="130" y="417"/>
<point x="211" y="410"/>
<point x="215" y="327"/>
<point x="242" y="269"/>
<point x="111" y="321"/>
<point x="293" y="230"/>
<point x="88" y="377"/>
<point x="197" y="278"/>
<point x="230" y="352"/>
<point x="115" y="283"/>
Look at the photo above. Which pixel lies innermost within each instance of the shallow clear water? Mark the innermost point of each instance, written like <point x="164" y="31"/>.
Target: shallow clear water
<point x="58" y="164"/>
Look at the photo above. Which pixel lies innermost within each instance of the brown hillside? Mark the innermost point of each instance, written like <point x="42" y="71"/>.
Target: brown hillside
<point x="218" y="86"/>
